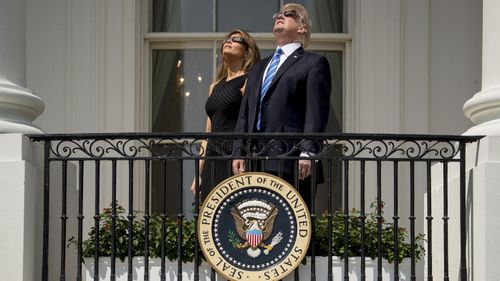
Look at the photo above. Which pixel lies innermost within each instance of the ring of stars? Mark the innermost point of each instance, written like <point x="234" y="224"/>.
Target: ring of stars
<point x="263" y="265"/>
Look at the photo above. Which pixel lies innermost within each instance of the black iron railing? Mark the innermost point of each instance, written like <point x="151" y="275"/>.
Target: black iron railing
<point x="395" y="169"/>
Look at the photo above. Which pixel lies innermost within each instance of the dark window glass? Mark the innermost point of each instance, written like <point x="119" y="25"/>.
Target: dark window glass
<point x="253" y="16"/>
<point x="182" y="16"/>
<point x="326" y="15"/>
<point x="336" y="98"/>
<point x="181" y="79"/>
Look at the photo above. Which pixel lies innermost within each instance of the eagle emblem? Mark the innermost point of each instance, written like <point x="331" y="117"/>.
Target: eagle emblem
<point x="254" y="222"/>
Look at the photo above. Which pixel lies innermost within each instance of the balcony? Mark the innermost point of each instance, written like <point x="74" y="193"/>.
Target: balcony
<point x="413" y="182"/>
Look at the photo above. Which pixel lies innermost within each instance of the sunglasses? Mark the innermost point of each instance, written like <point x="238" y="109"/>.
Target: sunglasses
<point x="235" y="39"/>
<point x="287" y="13"/>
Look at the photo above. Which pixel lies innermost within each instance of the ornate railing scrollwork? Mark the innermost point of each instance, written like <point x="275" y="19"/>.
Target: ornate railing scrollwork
<point x="119" y="148"/>
<point x="190" y="145"/>
<point x="394" y="149"/>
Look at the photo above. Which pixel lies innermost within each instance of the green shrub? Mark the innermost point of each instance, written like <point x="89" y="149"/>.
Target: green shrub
<point x="188" y="238"/>
<point x="138" y="237"/>
<point x="354" y="223"/>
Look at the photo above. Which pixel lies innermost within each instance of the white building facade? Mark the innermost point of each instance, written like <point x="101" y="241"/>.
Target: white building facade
<point x="73" y="66"/>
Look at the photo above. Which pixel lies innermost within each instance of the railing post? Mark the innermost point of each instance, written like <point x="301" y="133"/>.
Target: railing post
<point x="463" y="214"/>
<point x="195" y="217"/>
<point x="180" y="218"/>
<point x="46" y="206"/>
<point x="131" y="217"/>
<point x="147" y="173"/>
<point x="80" y="221"/>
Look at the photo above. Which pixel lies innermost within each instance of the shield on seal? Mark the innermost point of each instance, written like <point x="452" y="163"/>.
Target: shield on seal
<point x="254" y="237"/>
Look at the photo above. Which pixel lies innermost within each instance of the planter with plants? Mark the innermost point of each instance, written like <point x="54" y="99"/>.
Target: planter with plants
<point x="339" y="222"/>
<point x="369" y="244"/>
<point x="155" y="225"/>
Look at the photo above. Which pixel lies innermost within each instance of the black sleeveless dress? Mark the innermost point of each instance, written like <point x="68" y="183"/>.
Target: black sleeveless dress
<point x="222" y="107"/>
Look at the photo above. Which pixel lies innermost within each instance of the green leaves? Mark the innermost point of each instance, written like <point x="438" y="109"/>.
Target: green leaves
<point x="353" y="222"/>
<point x="155" y="224"/>
<point x="233" y="239"/>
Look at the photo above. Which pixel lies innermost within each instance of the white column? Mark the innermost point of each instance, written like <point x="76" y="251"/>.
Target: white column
<point x="484" y="107"/>
<point x="20" y="208"/>
<point x="19" y="175"/>
<point x="18" y="105"/>
<point x="484" y="158"/>
<point x="18" y="108"/>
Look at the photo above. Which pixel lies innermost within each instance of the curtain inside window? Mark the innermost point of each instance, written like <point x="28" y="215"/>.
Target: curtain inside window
<point x="327" y="16"/>
<point x="165" y="16"/>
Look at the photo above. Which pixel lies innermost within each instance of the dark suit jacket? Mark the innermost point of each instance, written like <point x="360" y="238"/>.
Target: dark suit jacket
<point x="297" y="101"/>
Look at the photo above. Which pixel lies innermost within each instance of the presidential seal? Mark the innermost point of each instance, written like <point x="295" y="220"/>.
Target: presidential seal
<point x="254" y="226"/>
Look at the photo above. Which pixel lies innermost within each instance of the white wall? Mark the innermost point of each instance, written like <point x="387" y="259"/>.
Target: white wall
<point x="12" y="38"/>
<point x="376" y="53"/>
<point x="415" y="65"/>
<point x="81" y="62"/>
<point x="46" y="33"/>
<point x="454" y="62"/>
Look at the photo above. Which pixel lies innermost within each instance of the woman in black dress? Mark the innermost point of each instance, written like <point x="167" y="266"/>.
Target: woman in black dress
<point x="239" y="52"/>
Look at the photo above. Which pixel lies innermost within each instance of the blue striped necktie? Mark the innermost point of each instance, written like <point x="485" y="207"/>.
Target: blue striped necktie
<point x="268" y="78"/>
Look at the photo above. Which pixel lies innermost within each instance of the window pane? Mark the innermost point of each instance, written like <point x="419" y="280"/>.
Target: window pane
<point x="327" y="16"/>
<point x="253" y="16"/>
<point x="181" y="79"/>
<point x="336" y="98"/>
<point x="182" y="16"/>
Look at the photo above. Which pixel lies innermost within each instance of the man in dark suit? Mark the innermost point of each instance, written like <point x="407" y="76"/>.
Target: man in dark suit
<point x="288" y="92"/>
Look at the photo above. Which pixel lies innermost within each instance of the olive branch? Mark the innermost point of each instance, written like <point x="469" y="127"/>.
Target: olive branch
<point x="233" y="239"/>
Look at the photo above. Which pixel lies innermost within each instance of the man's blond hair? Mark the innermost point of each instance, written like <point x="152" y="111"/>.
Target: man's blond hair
<point x="303" y="20"/>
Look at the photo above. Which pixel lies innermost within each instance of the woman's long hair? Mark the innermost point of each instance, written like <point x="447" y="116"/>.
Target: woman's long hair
<point x="252" y="56"/>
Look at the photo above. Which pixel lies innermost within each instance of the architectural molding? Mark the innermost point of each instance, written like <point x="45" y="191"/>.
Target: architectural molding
<point x="18" y="108"/>
<point x="484" y="107"/>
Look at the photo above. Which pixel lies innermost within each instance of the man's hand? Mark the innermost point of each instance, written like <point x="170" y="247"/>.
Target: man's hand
<point x="304" y="168"/>
<point x="238" y="166"/>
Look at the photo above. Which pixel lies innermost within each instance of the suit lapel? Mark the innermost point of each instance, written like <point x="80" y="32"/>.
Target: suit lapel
<point x="262" y="69"/>
<point x="293" y="58"/>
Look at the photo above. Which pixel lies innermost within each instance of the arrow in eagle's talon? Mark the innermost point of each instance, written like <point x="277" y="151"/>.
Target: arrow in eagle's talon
<point x="268" y="248"/>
